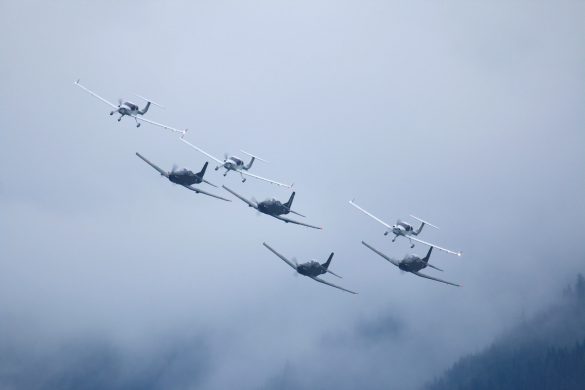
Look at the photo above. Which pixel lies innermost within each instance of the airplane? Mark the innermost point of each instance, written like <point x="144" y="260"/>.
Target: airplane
<point x="236" y="164"/>
<point x="312" y="269"/>
<point x="185" y="178"/>
<point x="412" y="263"/>
<point x="404" y="229"/>
<point x="127" y="108"/>
<point x="274" y="208"/>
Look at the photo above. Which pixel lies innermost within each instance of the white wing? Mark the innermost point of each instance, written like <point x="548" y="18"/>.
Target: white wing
<point x="159" y="124"/>
<point x="351" y="202"/>
<point x="243" y="172"/>
<point x="437" y="279"/>
<point x="201" y="151"/>
<point x="433" y="245"/>
<point x="315" y="278"/>
<point x="380" y="253"/>
<point x="281" y="256"/>
<point x="96" y="95"/>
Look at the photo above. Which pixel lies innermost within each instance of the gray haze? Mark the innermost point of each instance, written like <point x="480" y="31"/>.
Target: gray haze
<point x="467" y="114"/>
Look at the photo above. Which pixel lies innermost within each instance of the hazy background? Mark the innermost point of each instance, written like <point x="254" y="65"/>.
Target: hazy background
<point x="469" y="115"/>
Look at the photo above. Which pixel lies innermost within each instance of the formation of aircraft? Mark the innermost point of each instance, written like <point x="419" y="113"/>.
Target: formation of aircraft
<point x="312" y="269"/>
<point x="128" y="108"/>
<point x="185" y="178"/>
<point x="403" y="229"/>
<point x="236" y="164"/>
<point x="412" y="263"/>
<point x="274" y="208"/>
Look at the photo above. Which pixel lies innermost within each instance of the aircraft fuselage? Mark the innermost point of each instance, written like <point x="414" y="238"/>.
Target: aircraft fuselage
<point x="412" y="263"/>
<point x="272" y="207"/>
<point x="311" y="268"/>
<point x="185" y="178"/>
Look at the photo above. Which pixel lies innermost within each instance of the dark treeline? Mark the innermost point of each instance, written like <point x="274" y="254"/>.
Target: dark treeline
<point x="545" y="352"/>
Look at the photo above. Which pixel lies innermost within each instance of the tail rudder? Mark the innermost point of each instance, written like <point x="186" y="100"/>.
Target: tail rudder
<point x="290" y="200"/>
<point x="428" y="256"/>
<point x="249" y="165"/>
<point x="326" y="264"/>
<point x="202" y="172"/>
<point x="416" y="233"/>
<point x="145" y="109"/>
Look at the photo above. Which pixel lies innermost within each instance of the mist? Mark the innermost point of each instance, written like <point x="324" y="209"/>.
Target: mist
<point x="467" y="115"/>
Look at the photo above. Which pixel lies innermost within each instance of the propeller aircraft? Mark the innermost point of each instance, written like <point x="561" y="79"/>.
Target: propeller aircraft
<point x="404" y="229"/>
<point x="128" y="108"/>
<point x="274" y="208"/>
<point x="185" y="178"/>
<point x="236" y="164"/>
<point x="412" y="263"/>
<point x="311" y="269"/>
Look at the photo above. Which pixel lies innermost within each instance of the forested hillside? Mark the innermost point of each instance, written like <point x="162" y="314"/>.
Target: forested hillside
<point x="545" y="352"/>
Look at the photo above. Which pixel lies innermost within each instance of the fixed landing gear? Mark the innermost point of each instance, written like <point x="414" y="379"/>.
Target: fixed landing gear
<point x="137" y="124"/>
<point x="119" y="119"/>
<point x="111" y="113"/>
<point x="243" y="179"/>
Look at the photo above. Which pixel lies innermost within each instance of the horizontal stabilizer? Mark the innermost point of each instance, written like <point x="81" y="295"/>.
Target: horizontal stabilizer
<point x="149" y="100"/>
<point x="423" y="221"/>
<point x="253" y="155"/>
<point x="432" y="266"/>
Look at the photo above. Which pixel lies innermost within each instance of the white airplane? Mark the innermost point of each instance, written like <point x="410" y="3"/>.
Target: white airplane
<point x="404" y="229"/>
<point x="127" y="108"/>
<point x="236" y="164"/>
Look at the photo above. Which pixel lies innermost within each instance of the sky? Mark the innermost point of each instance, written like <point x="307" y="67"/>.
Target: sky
<point x="467" y="114"/>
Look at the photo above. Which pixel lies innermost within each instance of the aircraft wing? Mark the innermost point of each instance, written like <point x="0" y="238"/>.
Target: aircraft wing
<point x="162" y="172"/>
<point x="243" y="172"/>
<point x="317" y="279"/>
<point x="249" y="202"/>
<point x="433" y="245"/>
<point x="380" y="253"/>
<point x="351" y="202"/>
<point x="96" y="95"/>
<point x="279" y="255"/>
<point x="202" y="151"/>
<point x="436" y="279"/>
<point x="199" y="191"/>
<point x="137" y="117"/>
<point x="285" y="219"/>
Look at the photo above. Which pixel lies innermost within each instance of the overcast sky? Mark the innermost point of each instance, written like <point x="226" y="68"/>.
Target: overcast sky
<point x="469" y="115"/>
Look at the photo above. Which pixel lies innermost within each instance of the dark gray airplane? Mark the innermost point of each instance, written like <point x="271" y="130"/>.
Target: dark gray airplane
<point x="274" y="208"/>
<point x="185" y="178"/>
<point x="312" y="269"/>
<point x="412" y="263"/>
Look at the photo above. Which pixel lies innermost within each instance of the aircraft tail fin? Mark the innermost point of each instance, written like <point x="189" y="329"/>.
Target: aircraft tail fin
<point x="202" y="172"/>
<point x="145" y="109"/>
<point x="290" y="200"/>
<point x="423" y="223"/>
<point x="249" y="165"/>
<point x="428" y="256"/>
<point x="326" y="264"/>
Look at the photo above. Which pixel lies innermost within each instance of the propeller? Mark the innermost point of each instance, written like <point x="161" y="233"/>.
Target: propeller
<point x="120" y="102"/>
<point x="225" y="156"/>
<point x="174" y="169"/>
